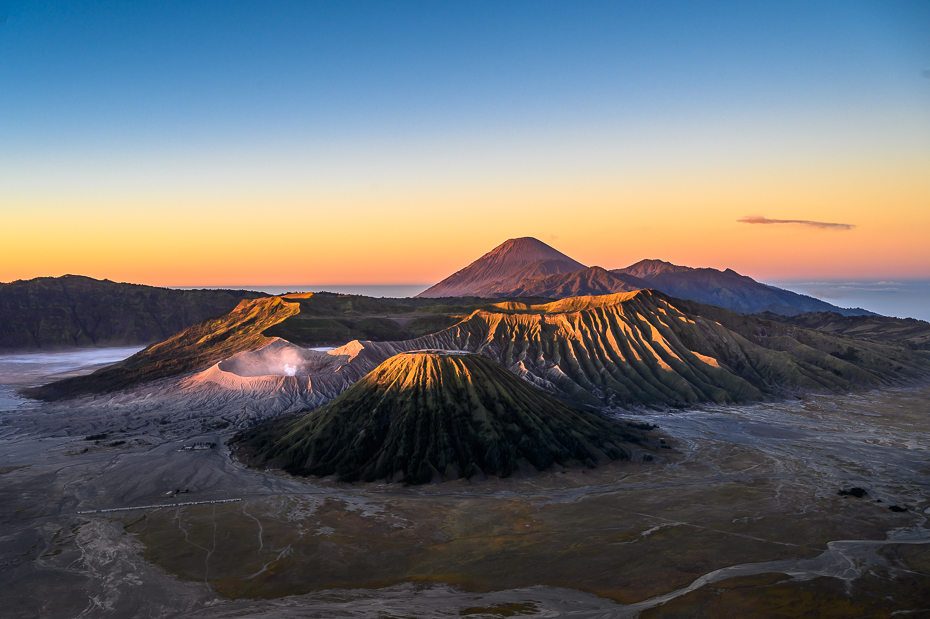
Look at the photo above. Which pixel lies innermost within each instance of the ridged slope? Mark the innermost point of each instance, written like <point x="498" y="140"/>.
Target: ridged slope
<point x="590" y="281"/>
<point x="424" y="416"/>
<point x="646" y="348"/>
<point x="195" y="347"/>
<point x="616" y="350"/>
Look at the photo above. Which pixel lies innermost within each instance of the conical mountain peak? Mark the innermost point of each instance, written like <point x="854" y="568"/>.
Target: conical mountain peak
<point x="503" y="267"/>
<point x="525" y="250"/>
<point x="429" y="415"/>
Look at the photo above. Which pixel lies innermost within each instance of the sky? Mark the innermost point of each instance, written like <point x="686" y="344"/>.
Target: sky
<point x="354" y="143"/>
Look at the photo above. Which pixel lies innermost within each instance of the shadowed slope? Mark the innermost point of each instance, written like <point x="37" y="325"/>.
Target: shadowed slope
<point x="909" y="332"/>
<point x="727" y="289"/>
<point x="195" y="347"/>
<point x="651" y="268"/>
<point x="502" y="268"/>
<point x="49" y="313"/>
<point x="423" y="416"/>
<point x="590" y="281"/>
<point x="528" y="267"/>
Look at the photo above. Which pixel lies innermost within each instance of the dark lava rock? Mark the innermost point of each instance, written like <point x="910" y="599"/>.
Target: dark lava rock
<point x="897" y="508"/>
<point x="854" y="492"/>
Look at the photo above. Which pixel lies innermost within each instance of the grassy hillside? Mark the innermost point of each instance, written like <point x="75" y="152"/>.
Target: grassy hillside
<point x="428" y="416"/>
<point x="909" y="332"/>
<point x="327" y="319"/>
<point x="51" y="313"/>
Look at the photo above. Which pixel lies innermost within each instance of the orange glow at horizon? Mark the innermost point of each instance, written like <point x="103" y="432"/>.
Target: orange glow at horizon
<point x="415" y="232"/>
<point x="322" y="147"/>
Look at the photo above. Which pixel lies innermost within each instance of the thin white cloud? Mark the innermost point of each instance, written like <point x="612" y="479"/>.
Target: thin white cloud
<point x="758" y="219"/>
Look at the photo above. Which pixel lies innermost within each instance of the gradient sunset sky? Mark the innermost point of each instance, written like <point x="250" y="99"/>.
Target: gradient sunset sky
<point x="194" y="143"/>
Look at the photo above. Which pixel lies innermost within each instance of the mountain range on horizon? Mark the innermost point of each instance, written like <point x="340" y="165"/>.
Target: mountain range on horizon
<point x="527" y="267"/>
<point x="54" y="313"/>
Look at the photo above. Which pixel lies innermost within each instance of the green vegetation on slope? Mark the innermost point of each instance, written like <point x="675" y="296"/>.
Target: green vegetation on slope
<point x="50" y="313"/>
<point x="909" y="332"/>
<point x="327" y="319"/>
<point x="64" y="312"/>
<point x="199" y="346"/>
<point x="427" y="416"/>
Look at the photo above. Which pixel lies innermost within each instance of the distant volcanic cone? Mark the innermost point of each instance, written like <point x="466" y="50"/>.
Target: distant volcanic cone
<point x="502" y="269"/>
<point x="425" y="416"/>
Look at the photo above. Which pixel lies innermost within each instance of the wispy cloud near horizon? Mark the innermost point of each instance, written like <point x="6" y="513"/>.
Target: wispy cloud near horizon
<point x="758" y="219"/>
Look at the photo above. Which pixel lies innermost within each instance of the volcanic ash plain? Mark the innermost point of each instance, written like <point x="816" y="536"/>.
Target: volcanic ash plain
<point x="745" y="514"/>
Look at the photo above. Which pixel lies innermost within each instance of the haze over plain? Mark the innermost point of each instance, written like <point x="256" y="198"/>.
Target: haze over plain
<point x="390" y="143"/>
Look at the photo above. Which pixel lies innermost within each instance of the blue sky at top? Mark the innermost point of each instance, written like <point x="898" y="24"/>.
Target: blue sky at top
<point x="429" y="132"/>
<point x="170" y="72"/>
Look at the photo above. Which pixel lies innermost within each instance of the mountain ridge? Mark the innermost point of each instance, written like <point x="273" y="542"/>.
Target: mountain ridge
<point x="649" y="267"/>
<point x="52" y="313"/>
<point x="193" y="348"/>
<point x="587" y="282"/>
<point x="493" y="276"/>
<point x="640" y="348"/>
<point x="734" y="291"/>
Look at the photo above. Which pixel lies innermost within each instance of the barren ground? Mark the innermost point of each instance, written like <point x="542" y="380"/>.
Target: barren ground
<point x="743" y="518"/>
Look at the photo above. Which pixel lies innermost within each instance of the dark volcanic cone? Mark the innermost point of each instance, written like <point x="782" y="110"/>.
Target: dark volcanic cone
<point x="422" y="416"/>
